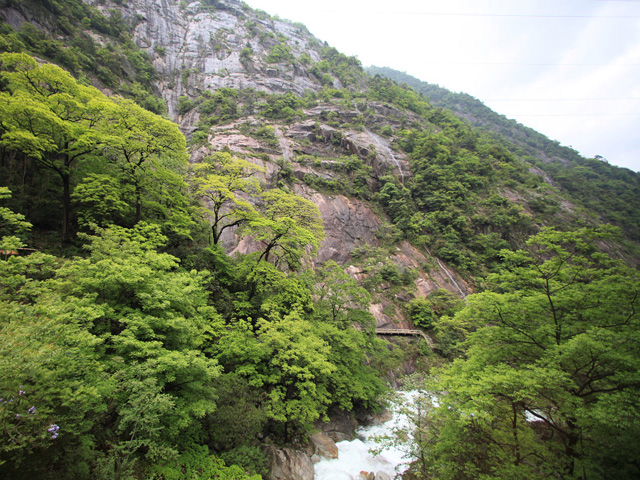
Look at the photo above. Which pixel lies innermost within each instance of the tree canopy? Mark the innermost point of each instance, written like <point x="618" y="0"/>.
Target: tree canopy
<point x="76" y="131"/>
<point x="548" y="385"/>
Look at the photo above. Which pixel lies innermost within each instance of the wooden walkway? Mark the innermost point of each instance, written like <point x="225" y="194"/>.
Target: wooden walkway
<point x="404" y="331"/>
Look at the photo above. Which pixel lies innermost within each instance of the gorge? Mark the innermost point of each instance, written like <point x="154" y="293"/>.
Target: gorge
<point x="215" y="213"/>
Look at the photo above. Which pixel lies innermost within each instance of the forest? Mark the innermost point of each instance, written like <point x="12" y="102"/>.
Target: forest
<point x="134" y="343"/>
<point x="128" y="354"/>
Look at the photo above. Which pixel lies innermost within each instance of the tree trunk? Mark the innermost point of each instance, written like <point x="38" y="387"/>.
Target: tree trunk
<point x="138" y="203"/>
<point x="66" y="205"/>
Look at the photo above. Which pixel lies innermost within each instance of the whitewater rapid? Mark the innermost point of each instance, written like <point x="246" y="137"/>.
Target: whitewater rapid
<point x="355" y="456"/>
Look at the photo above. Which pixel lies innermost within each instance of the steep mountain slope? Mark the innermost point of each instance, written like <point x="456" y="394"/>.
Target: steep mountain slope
<point x="385" y="166"/>
<point x="178" y="324"/>
<point x="478" y="114"/>
<point x="611" y="191"/>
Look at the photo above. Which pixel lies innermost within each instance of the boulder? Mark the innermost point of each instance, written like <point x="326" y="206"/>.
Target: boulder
<point x="368" y="418"/>
<point x="323" y="445"/>
<point x="288" y="464"/>
<point x="341" y="426"/>
<point x="382" y="476"/>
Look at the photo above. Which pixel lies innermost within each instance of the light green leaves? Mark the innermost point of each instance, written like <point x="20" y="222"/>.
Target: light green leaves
<point x="554" y="346"/>
<point x="225" y="182"/>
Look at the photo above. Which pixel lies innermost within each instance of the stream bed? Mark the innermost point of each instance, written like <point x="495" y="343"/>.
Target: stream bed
<point x="355" y="457"/>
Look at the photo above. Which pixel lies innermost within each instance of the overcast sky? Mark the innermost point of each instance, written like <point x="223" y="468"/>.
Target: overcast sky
<point x="567" y="68"/>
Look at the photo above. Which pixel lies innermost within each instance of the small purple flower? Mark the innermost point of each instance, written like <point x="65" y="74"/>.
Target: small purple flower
<point x="53" y="430"/>
<point x="17" y="415"/>
<point x="20" y="391"/>
<point x="32" y="410"/>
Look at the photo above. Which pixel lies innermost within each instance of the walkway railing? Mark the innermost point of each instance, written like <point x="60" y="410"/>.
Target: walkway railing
<point x="404" y="331"/>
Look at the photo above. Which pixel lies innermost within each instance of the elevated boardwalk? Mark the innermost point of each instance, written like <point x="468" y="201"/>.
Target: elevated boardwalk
<point x="404" y="331"/>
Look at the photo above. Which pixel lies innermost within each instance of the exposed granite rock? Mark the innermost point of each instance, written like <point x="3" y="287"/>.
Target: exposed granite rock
<point x="369" y="418"/>
<point x="323" y="446"/>
<point x="341" y="426"/>
<point x="201" y="48"/>
<point x="288" y="464"/>
<point x="348" y="223"/>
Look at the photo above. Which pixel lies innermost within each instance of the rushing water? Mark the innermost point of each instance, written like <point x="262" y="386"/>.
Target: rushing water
<point x="355" y="457"/>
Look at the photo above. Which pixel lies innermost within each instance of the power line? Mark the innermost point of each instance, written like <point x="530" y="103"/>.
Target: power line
<point x="536" y="64"/>
<point x="569" y="114"/>
<point x="452" y="14"/>
<point x="559" y="99"/>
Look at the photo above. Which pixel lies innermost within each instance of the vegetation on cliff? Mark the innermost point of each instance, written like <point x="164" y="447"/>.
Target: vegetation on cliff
<point x="545" y="377"/>
<point x="129" y="336"/>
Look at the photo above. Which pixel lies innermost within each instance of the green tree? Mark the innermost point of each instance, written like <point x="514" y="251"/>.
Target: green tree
<point x="11" y="224"/>
<point x="150" y="154"/>
<point x="286" y="360"/>
<point x="289" y="227"/>
<point x="151" y="320"/>
<point x="272" y="294"/>
<point x="421" y="312"/>
<point x="338" y="298"/>
<point x="550" y="383"/>
<point x="101" y="201"/>
<point x="51" y="379"/>
<point x="48" y="116"/>
<point x="222" y="180"/>
<point x="52" y="384"/>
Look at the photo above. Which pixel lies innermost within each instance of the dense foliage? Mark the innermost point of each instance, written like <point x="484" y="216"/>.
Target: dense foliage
<point x="135" y="347"/>
<point x="70" y="42"/>
<point x="546" y="384"/>
<point x="124" y="354"/>
<point x="51" y="122"/>
<point x="612" y="192"/>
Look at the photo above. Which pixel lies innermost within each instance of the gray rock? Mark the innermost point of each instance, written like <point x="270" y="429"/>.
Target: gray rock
<point x="288" y="464"/>
<point x="341" y="426"/>
<point x="323" y="445"/>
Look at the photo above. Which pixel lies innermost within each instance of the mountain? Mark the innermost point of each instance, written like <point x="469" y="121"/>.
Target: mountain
<point x="217" y="197"/>
<point x="603" y="188"/>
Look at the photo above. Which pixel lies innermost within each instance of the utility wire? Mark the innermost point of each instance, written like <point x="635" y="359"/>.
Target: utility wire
<point x="569" y="114"/>
<point x="451" y="14"/>
<point x="559" y="99"/>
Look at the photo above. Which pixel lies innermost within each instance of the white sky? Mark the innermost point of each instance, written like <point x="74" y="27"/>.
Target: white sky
<point x="567" y="68"/>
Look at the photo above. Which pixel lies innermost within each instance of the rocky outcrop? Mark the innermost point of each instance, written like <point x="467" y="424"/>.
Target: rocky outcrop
<point x="288" y="464"/>
<point x="369" y="418"/>
<point x="197" y="47"/>
<point x="348" y="223"/>
<point x="341" y="426"/>
<point x="322" y="446"/>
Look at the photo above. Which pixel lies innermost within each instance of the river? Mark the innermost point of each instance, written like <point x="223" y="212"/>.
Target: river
<point x="355" y="456"/>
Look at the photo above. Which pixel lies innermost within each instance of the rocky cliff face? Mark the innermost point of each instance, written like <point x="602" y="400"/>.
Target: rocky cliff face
<point x="200" y="48"/>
